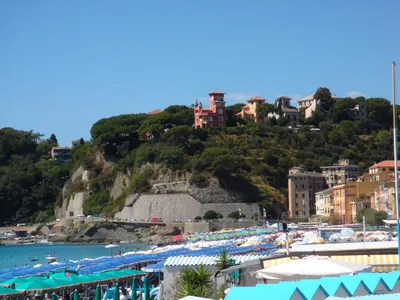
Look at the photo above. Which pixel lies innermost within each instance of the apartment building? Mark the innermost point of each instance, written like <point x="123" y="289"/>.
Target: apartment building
<point x="323" y="202"/>
<point x="302" y="186"/>
<point x="342" y="172"/>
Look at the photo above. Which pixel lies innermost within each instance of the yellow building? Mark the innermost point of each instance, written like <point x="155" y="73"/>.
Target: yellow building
<point x="348" y="199"/>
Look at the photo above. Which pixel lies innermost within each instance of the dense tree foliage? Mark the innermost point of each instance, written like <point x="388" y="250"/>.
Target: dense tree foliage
<point x="29" y="180"/>
<point x="250" y="159"/>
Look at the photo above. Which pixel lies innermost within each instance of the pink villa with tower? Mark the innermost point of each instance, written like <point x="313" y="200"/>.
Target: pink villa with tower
<point x="215" y="115"/>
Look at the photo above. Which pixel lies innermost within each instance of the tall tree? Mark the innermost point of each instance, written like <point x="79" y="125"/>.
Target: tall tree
<point x="52" y="139"/>
<point x="324" y="95"/>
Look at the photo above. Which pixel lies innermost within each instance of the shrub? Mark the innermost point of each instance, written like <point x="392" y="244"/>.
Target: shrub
<point x="236" y="215"/>
<point x="139" y="183"/>
<point x="199" y="179"/>
<point x="198" y="218"/>
<point x="212" y="215"/>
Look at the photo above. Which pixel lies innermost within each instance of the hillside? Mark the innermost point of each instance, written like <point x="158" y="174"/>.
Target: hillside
<point x="250" y="159"/>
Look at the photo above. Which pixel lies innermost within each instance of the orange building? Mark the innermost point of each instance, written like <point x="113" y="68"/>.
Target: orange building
<point x="249" y="111"/>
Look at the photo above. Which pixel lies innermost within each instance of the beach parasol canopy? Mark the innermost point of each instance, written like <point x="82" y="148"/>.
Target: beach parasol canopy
<point x="35" y="285"/>
<point x="312" y="267"/>
<point x="8" y="292"/>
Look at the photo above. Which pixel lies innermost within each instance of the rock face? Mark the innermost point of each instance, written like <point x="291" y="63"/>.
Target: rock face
<point x="73" y="201"/>
<point x="121" y="184"/>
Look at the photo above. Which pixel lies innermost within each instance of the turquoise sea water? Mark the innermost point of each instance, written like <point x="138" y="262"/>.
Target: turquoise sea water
<point x="11" y="255"/>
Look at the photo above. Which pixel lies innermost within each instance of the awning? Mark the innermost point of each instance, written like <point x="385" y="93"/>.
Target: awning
<point x="379" y="262"/>
<point x="154" y="267"/>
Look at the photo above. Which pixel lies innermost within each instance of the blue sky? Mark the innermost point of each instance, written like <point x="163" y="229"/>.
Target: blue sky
<point x="66" y="64"/>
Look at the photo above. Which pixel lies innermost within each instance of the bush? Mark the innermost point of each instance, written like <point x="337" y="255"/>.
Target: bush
<point x="199" y="179"/>
<point x="236" y="215"/>
<point x="212" y="215"/>
<point x="198" y="218"/>
<point x="139" y="183"/>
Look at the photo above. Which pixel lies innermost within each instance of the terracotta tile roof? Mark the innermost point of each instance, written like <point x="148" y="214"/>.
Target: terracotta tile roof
<point x="239" y="113"/>
<point x="156" y="111"/>
<point x="216" y="92"/>
<point x="385" y="164"/>
<point x="246" y="106"/>
<point x="256" y="98"/>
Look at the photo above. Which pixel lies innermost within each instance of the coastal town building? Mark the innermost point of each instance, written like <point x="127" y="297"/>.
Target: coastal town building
<point x="348" y="199"/>
<point x="323" y="202"/>
<point x="302" y="186"/>
<point x="61" y="153"/>
<point x="309" y="100"/>
<point x="249" y="111"/>
<point x="215" y="115"/>
<point x="286" y="110"/>
<point x="344" y="171"/>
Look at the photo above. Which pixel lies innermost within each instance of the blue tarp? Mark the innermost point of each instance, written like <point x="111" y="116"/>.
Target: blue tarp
<point x="89" y="266"/>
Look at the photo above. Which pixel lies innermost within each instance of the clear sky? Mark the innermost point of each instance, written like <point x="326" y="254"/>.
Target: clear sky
<point x="66" y="64"/>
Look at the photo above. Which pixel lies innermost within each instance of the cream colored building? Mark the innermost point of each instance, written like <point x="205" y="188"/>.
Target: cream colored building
<point x="287" y="111"/>
<point x="323" y="202"/>
<point x="342" y="172"/>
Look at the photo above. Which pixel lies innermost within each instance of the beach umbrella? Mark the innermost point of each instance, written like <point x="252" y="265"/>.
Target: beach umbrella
<point x="35" y="285"/>
<point x="116" y="292"/>
<point x="98" y="293"/>
<point x="134" y="288"/>
<point x="76" y="295"/>
<point x="146" y="288"/>
<point x="8" y="292"/>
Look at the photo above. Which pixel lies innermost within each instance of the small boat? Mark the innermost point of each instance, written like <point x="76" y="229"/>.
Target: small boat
<point x="33" y="258"/>
<point x="51" y="258"/>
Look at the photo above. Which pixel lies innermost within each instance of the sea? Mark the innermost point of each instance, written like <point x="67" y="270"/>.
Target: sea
<point x="19" y="255"/>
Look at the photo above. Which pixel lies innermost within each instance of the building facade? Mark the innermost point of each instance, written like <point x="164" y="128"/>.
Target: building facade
<point x="323" y="202"/>
<point x="61" y="153"/>
<point x="342" y="172"/>
<point x="249" y="111"/>
<point x="302" y="186"/>
<point x="215" y="115"/>
<point x="286" y="110"/>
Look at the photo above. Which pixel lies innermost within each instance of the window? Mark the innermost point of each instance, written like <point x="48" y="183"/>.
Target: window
<point x="296" y="186"/>
<point x="302" y="195"/>
<point x="297" y="213"/>
<point x="220" y="111"/>
<point x="210" y="118"/>
<point x="221" y="119"/>
<point x="302" y="186"/>
<point x="71" y="213"/>
<point x="297" y="196"/>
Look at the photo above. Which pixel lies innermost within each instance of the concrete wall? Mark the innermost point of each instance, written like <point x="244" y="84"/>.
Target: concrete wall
<point x="168" y="207"/>
<point x="226" y="208"/>
<point x="181" y="207"/>
<point x="75" y="205"/>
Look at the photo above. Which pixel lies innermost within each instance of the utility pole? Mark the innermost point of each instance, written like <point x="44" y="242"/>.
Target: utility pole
<point x="396" y="172"/>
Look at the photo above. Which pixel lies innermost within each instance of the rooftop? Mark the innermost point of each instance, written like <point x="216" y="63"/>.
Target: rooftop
<point x="256" y="98"/>
<point x="311" y="97"/>
<point x="216" y="92"/>
<point x="385" y="164"/>
<point x="154" y="112"/>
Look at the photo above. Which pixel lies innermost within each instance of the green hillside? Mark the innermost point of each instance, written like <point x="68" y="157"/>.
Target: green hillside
<point x="251" y="158"/>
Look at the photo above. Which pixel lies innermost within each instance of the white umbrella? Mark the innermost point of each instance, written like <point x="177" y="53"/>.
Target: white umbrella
<point x="111" y="246"/>
<point x="312" y="267"/>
